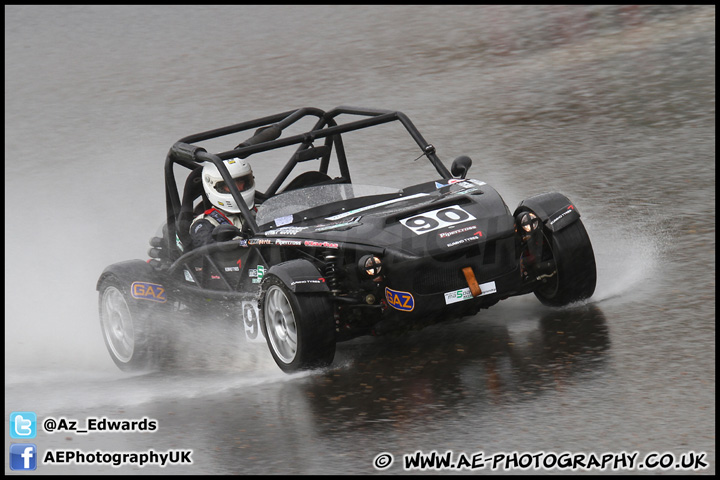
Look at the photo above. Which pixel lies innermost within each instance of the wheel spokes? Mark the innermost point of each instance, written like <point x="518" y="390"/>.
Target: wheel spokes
<point x="280" y="323"/>
<point x="118" y="325"/>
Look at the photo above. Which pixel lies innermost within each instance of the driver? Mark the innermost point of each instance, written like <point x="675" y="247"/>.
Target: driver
<point x="225" y="210"/>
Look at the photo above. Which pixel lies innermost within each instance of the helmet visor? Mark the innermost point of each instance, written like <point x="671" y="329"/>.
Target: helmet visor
<point x="246" y="182"/>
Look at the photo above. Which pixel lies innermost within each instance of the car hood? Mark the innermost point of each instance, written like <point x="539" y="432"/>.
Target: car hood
<point x="430" y="218"/>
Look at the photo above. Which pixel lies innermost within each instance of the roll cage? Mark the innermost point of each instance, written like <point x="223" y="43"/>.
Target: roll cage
<point x="267" y="137"/>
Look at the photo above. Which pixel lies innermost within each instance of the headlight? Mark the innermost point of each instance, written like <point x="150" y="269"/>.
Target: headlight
<point x="370" y="265"/>
<point x="527" y="223"/>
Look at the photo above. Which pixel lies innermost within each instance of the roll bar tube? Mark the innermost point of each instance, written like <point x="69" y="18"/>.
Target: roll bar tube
<point x="266" y="137"/>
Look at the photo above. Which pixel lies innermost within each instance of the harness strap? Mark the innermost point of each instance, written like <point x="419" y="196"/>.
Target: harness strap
<point x="216" y="217"/>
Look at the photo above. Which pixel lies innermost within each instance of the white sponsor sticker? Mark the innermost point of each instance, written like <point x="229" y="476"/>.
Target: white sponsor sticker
<point x="281" y="232"/>
<point x="292" y="243"/>
<point x="465" y="294"/>
<point x="448" y="183"/>
<point x="279" y="222"/>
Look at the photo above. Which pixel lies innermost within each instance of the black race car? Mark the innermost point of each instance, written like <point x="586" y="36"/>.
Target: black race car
<point x="325" y="259"/>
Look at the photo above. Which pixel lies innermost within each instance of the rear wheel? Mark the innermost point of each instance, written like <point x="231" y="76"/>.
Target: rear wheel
<point x="124" y="330"/>
<point x="575" y="273"/>
<point x="299" y="329"/>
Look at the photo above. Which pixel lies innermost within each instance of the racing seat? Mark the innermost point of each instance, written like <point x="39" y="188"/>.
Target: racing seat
<point x="193" y="189"/>
<point x="308" y="179"/>
<point x="314" y="177"/>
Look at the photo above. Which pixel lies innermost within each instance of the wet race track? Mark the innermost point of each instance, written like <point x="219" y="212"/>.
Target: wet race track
<point x="612" y="106"/>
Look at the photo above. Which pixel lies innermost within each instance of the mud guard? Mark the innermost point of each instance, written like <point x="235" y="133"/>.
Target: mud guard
<point x="554" y="209"/>
<point x="140" y="280"/>
<point x="300" y="276"/>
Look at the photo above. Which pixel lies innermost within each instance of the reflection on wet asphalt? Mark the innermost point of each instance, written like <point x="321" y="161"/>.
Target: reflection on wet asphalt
<point x="399" y="380"/>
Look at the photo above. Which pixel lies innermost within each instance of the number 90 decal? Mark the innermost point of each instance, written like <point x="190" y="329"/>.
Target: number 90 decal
<point x="436" y="219"/>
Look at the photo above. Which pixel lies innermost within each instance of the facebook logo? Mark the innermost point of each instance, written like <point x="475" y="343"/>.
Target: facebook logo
<point x="23" y="456"/>
<point x="23" y="425"/>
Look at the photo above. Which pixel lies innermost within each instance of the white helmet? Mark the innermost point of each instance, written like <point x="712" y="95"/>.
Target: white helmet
<point x="217" y="190"/>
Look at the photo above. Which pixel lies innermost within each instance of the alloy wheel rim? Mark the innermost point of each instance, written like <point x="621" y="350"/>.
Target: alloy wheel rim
<point x="117" y="325"/>
<point x="280" y="324"/>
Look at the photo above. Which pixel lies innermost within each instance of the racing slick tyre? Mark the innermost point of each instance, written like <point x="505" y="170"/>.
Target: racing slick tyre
<point x="300" y="329"/>
<point x="124" y="328"/>
<point x="575" y="273"/>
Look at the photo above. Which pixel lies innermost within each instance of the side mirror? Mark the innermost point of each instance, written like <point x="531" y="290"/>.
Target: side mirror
<point x="460" y="166"/>
<point x="225" y="232"/>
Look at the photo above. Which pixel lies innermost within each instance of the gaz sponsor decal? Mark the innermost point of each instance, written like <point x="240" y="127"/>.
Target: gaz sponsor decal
<point x="436" y="219"/>
<point x="148" y="291"/>
<point x="402" y="301"/>
<point x="465" y="294"/>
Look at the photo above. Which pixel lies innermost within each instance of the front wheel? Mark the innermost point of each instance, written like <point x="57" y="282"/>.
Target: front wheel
<point x="575" y="273"/>
<point x="123" y="327"/>
<point x="299" y="329"/>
